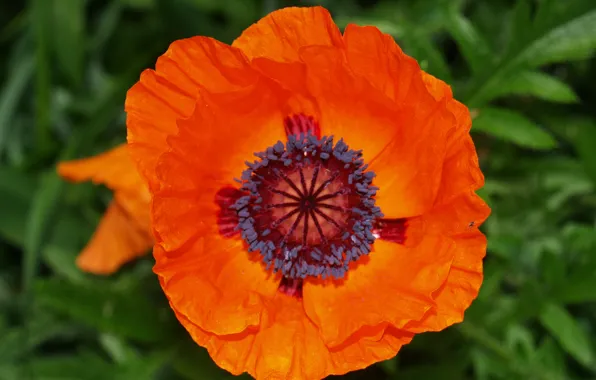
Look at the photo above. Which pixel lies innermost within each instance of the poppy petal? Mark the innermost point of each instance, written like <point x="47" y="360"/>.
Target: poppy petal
<point x="280" y="35"/>
<point x="409" y="167"/>
<point x="460" y="288"/>
<point x="209" y="151"/>
<point x="114" y="169"/>
<point x="116" y="241"/>
<point x="461" y="171"/>
<point x="214" y="283"/>
<point x="373" y="293"/>
<point x="288" y="346"/>
<point x="169" y="93"/>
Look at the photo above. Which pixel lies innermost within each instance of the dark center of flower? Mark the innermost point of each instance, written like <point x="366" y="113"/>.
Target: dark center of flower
<point x="308" y="207"/>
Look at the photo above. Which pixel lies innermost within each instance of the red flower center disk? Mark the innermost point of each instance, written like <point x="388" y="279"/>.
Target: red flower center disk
<point x="309" y="207"/>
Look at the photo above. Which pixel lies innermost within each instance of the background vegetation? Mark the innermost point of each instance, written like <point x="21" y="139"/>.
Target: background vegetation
<point x="524" y="67"/>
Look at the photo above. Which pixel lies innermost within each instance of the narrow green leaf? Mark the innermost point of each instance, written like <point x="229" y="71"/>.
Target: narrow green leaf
<point x="127" y="314"/>
<point x="39" y="328"/>
<point x="38" y="222"/>
<point x="11" y="94"/>
<point x="584" y="144"/>
<point x="471" y="44"/>
<point x="16" y="190"/>
<point x="86" y="366"/>
<point x="579" y="288"/>
<point x="41" y="11"/>
<point x="566" y="330"/>
<point x="68" y="33"/>
<point x="118" y="349"/>
<point x="534" y="83"/>
<point x="550" y="356"/>
<point x="511" y="126"/>
<point x="107" y="24"/>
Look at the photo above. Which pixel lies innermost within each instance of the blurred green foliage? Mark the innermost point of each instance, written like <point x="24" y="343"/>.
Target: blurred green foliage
<point x="525" y="68"/>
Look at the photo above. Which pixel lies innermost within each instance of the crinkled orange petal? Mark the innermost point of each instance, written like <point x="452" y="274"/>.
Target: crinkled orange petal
<point x="206" y="154"/>
<point x="288" y="346"/>
<point x="360" y="87"/>
<point x="168" y="93"/>
<point x="461" y="171"/>
<point x="393" y="285"/>
<point x="113" y="169"/>
<point x="124" y="232"/>
<point x="409" y="166"/>
<point x="459" y="220"/>
<point x="209" y="151"/>
<point x="460" y="289"/>
<point x="213" y="282"/>
<point x="117" y="240"/>
<point x="340" y="80"/>
<point x="280" y="35"/>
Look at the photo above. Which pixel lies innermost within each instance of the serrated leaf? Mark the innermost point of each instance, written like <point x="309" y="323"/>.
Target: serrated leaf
<point x="560" y="31"/>
<point x="573" y="40"/>
<point x="471" y="44"/>
<point x="513" y="127"/>
<point x="537" y="84"/>
<point x="566" y="330"/>
<point x="128" y="314"/>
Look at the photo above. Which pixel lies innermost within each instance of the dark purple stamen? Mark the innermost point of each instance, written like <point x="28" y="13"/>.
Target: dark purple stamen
<point x="308" y="206"/>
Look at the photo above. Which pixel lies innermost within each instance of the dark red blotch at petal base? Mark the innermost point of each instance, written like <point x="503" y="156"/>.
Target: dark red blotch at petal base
<point x="301" y="124"/>
<point x="227" y="218"/>
<point x="347" y="169"/>
<point x="393" y="230"/>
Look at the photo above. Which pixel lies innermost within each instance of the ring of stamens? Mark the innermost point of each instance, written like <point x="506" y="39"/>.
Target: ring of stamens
<point x="308" y="208"/>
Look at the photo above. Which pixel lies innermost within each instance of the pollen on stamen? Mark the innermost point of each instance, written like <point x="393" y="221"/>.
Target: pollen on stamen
<point x="308" y="209"/>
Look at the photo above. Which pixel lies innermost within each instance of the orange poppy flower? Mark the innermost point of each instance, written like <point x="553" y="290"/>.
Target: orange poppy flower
<point x="123" y="233"/>
<point x="326" y="254"/>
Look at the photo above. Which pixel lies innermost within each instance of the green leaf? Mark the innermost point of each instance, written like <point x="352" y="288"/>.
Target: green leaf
<point x="584" y="145"/>
<point x="472" y="46"/>
<point x="566" y="330"/>
<point x="513" y="127"/>
<point x="550" y="356"/>
<point x="68" y="34"/>
<point x="193" y="363"/>
<point x="10" y="95"/>
<point x="430" y="57"/>
<point x="86" y="366"/>
<point x="535" y="83"/>
<point x="573" y="40"/>
<point x="41" y="11"/>
<point x="16" y="190"/>
<point x="129" y="314"/>
<point x="560" y="31"/>
<point x="39" y="328"/>
<point x="38" y="222"/>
